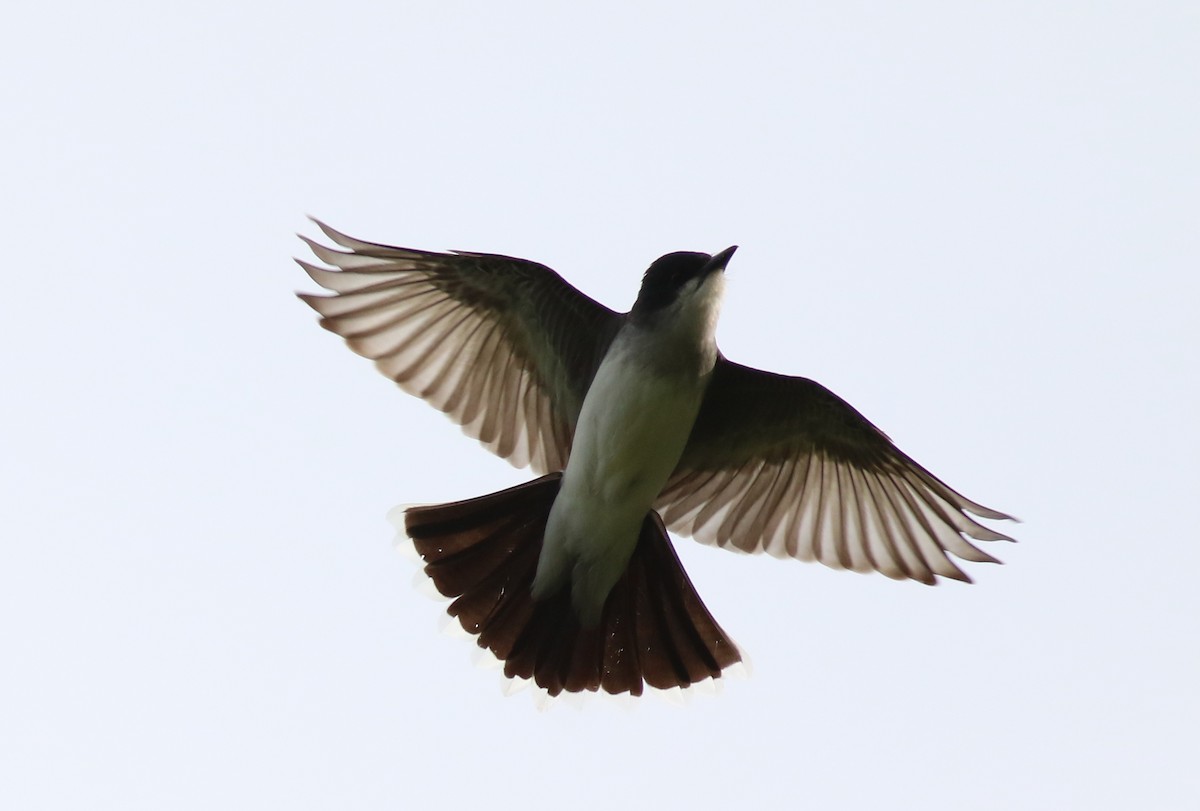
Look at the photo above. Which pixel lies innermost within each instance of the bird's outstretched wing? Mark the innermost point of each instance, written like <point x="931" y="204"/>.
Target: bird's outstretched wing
<point x="783" y="465"/>
<point x="505" y="347"/>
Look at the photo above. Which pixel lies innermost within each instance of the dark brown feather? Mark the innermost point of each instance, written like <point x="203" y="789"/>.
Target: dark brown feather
<point x="654" y="629"/>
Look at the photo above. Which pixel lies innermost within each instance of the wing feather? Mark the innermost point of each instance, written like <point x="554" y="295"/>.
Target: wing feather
<point x="505" y="347"/>
<point x="782" y="465"/>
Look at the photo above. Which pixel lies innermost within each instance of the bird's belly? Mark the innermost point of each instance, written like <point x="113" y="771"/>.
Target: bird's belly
<point x="631" y="432"/>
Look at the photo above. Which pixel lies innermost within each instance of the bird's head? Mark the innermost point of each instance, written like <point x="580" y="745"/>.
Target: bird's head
<point x="680" y="282"/>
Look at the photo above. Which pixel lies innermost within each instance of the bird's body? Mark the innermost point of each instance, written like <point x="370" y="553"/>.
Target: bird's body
<point x="632" y="429"/>
<point x="638" y="423"/>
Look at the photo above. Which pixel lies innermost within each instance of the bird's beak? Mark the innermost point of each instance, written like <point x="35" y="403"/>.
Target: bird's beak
<point x="718" y="262"/>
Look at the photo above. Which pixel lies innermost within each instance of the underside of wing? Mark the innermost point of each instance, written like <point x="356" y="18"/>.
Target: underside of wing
<point x="505" y="347"/>
<point x="782" y="465"/>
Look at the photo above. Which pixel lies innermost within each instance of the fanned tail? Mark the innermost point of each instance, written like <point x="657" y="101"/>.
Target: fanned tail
<point x="654" y="629"/>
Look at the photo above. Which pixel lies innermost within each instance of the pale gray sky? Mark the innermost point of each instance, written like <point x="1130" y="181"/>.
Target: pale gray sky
<point x="975" y="221"/>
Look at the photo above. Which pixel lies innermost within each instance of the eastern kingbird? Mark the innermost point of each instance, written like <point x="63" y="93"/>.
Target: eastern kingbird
<point x="636" y="424"/>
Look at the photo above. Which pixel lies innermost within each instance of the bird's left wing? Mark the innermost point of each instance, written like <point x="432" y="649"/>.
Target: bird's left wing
<point x="503" y="346"/>
<point x="782" y="465"/>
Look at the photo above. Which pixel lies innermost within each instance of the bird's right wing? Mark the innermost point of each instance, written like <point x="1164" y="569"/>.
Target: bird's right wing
<point x="503" y="346"/>
<point x="783" y="465"/>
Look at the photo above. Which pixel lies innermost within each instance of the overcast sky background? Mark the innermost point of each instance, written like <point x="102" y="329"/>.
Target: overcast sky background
<point x="977" y="222"/>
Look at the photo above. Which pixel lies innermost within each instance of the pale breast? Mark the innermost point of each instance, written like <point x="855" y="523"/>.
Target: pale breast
<point x="631" y="432"/>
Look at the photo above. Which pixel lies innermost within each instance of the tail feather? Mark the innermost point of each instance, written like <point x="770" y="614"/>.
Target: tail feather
<point x="654" y="629"/>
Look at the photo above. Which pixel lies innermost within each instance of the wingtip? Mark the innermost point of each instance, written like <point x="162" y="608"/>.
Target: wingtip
<point x="320" y="276"/>
<point x="333" y="234"/>
<point x="313" y="245"/>
<point x="344" y="240"/>
<point x="956" y="574"/>
<point x="989" y="513"/>
<point x="317" y="222"/>
<point x="1000" y="536"/>
<point x="314" y="300"/>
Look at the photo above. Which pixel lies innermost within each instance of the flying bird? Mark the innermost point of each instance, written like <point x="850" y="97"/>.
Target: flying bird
<point x="636" y="424"/>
